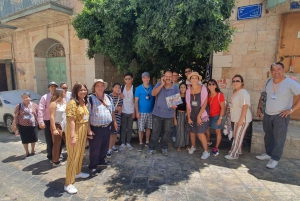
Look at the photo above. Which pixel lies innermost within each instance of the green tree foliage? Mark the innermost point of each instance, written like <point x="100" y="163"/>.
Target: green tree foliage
<point x="159" y="34"/>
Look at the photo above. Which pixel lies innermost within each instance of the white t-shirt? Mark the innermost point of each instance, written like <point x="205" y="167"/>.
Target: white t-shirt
<point x="128" y="104"/>
<point x="283" y="99"/>
<point x="242" y="97"/>
<point x="68" y="96"/>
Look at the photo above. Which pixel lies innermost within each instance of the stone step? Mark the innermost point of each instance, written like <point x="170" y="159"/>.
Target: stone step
<point x="292" y="144"/>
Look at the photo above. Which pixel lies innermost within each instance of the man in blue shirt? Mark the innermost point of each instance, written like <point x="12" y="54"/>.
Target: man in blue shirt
<point x="143" y="104"/>
<point x="162" y="115"/>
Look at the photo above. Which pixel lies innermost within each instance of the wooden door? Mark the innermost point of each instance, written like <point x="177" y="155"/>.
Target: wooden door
<point x="289" y="48"/>
<point x="3" y="78"/>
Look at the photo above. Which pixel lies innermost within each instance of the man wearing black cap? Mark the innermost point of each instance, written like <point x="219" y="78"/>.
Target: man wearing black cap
<point x="44" y="117"/>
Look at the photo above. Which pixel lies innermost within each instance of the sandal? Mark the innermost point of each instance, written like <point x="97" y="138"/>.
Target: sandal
<point x="187" y="148"/>
<point x="25" y="156"/>
<point x="178" y="149"/>
<point x="32" y="153"/>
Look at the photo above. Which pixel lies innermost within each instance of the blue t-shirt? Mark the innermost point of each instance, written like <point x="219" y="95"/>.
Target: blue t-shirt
<point x="145" y="105"/>
<point x="161" y="108"/>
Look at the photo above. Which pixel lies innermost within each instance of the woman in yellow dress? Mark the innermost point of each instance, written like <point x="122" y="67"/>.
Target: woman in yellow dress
<point x="76" y="134"/>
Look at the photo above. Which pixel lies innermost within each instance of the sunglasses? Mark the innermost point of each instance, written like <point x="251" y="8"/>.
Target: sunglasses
<point x="127" y="79"/>
<point x="65" y="88"/>
<point x="188" y="71"/>
<point x="211" y="84"/>
<point x="237" y="81"/>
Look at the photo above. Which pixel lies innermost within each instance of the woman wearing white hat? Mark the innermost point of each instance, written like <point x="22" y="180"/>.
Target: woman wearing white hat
<point x="198" y="119"/>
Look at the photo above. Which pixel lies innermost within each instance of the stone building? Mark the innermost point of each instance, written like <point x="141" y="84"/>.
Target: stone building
<point x="38" y="44"/>
<point x="256" y="44"/>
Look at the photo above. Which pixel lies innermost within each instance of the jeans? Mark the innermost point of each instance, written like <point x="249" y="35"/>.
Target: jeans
<point x="275" y="128"/>
<point x="126" y="127"/>
<point x="160" y="126"/>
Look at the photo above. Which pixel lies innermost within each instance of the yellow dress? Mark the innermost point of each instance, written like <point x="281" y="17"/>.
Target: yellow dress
<point x="76" y="153"/>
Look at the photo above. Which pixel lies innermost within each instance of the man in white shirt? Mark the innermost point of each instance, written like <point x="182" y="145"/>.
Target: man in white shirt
<point x="128" y="112"/>
<point x="64" y="86"/>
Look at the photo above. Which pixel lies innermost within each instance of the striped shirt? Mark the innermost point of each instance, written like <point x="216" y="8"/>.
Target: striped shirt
<point x="100" y="115"/>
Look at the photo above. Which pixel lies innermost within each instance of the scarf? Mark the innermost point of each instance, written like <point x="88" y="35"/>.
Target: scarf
<point x="28" y="111"/>
<point x="204" y="95"/>
<point x="227" y="122"/>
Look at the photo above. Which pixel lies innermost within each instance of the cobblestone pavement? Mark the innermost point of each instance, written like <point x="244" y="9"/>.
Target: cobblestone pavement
<point x="136" y="176"/>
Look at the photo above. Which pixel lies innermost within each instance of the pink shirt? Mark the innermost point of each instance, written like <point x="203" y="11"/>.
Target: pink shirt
<point x="44" y="108"/>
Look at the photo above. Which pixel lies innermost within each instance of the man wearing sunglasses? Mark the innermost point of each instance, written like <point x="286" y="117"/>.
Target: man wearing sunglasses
<point x="64" y="86"/>
<point x="279" y="105"/>
<point x="128" y="111"/>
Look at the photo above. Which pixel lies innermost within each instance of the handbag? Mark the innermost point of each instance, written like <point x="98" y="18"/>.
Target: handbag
<point x="263" y="96"/>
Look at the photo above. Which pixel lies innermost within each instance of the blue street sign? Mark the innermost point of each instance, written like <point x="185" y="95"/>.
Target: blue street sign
<point x="249" y="12"/>
<point x="294" y="5"/>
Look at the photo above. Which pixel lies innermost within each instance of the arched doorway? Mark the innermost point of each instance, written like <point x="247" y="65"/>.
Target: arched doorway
<point x="50" y="64"/>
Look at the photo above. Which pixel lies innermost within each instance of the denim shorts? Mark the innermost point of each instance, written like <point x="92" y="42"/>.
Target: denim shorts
<point x="213" y="123"/>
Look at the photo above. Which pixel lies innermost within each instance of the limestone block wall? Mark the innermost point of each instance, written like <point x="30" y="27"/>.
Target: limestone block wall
<point x="253" y="49"/>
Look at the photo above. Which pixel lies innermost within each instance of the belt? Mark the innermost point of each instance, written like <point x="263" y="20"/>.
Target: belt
<point x="102" y="126"/>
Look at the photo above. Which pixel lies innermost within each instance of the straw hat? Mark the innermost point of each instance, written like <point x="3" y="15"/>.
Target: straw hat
<point x="194" y="74"/>
<point x="96" y="81"/>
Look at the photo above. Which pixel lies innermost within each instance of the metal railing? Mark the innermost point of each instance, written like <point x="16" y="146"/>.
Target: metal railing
<point x="8" y="7"/>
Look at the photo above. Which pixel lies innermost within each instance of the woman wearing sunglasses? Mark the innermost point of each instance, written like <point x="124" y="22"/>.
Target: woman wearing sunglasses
<point x="216" y="103"/>
<point x="240" y="115"/>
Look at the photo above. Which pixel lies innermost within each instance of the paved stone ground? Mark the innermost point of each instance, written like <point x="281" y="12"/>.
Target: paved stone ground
<point x="134" y="176"/>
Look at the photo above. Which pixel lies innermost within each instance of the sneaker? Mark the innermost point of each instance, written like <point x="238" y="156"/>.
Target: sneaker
<point x="192" y="149"/>
<point x="147" y="144"/>
<point x="215" y="151"/>
<point x="82" y="175"/>
<point x="263" y="157"/>
<point x="230" y="157"/>
<point x="70" y="189"/>
<point x="58" y="164"/>
<point x="108" y="155"/>
<point x="141" y="146"/>
<point x="128" y="145"/>
<point x="150" y="151"/>
<point x="94" y="172"/>
<point x="164" y="152"/>
<point x="272" y="164"/>
<point x="209" y="143"/>
<point x="205" y="155"/>
<point x="114" y="149"/>
<point x="122" y="147"/>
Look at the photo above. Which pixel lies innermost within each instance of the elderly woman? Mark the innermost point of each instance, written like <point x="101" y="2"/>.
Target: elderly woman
<point x="240" y="115"/>
<point x="101" y="109"/>
<point x="76" y="134"/>
<point x="57" y="120"/>
<point x="198" y="120"/>
<point x="26" y="119"/>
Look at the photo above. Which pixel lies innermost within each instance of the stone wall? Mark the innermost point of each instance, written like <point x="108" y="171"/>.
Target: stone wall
<point x="253" y="49"/>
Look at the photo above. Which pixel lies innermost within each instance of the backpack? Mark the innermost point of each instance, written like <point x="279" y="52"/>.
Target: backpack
<point x="123" y="87"/>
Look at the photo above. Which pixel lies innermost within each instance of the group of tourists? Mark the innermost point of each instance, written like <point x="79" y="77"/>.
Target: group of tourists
<point x="75" y="117"/>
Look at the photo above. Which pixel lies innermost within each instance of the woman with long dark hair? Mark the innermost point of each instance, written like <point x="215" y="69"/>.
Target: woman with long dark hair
<point x="76" y="134"/>
<point x="180" y="121"/>
<point x="240" y="115"/>
<point x="216" y="103"/>
<point x="57" y="116"/>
